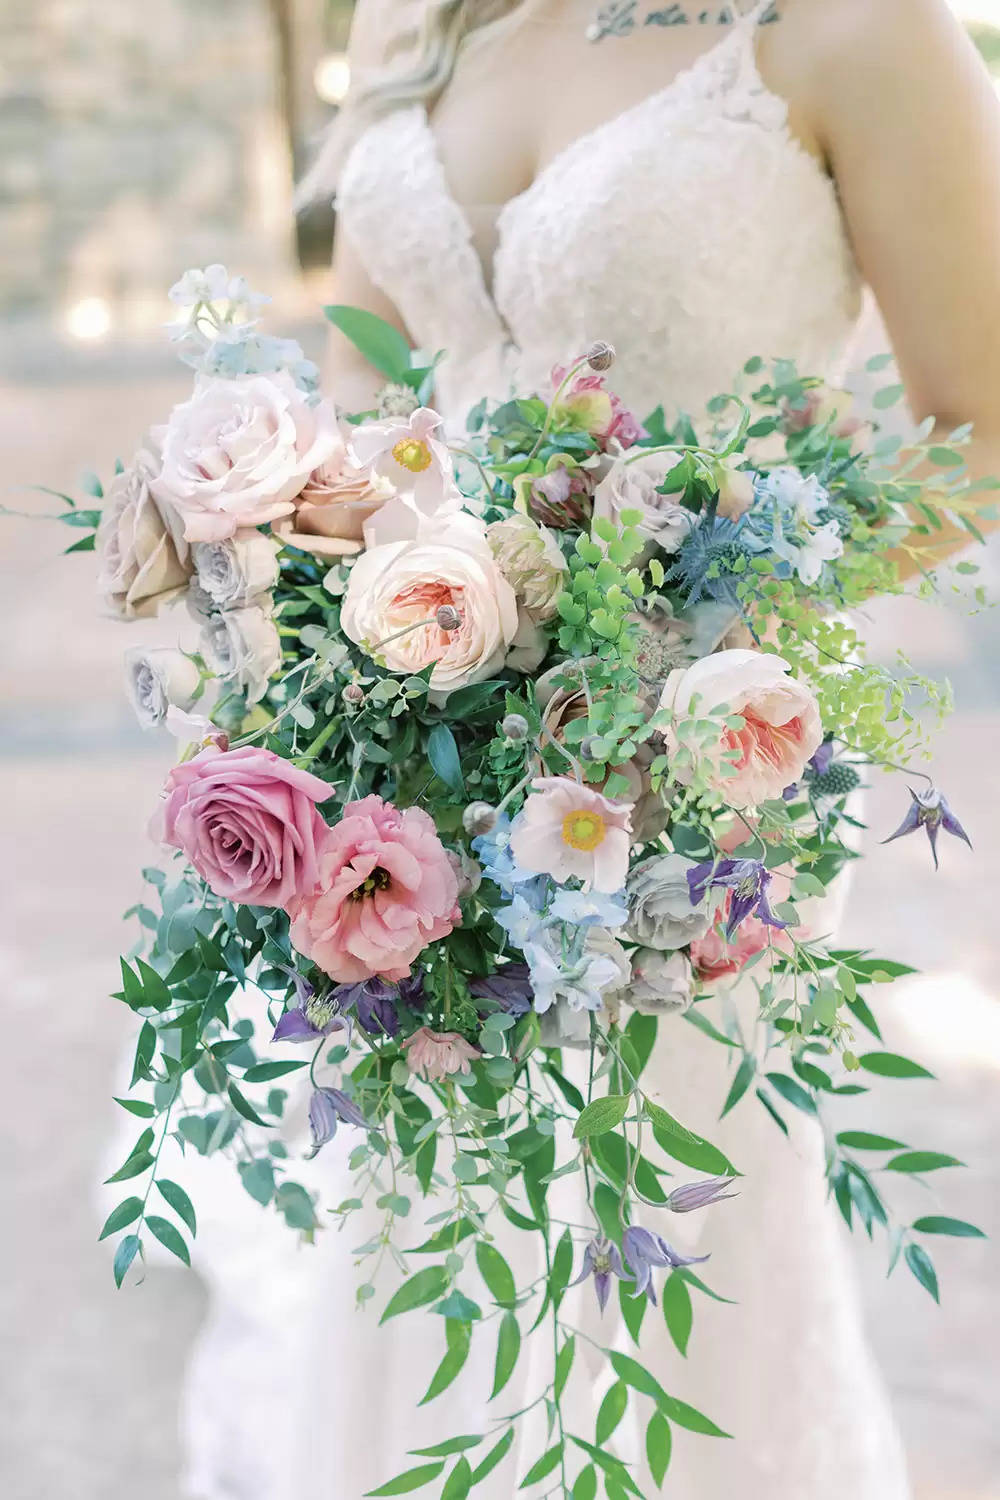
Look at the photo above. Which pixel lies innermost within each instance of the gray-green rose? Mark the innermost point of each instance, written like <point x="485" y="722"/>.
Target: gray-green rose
<point x="661" y="914"/>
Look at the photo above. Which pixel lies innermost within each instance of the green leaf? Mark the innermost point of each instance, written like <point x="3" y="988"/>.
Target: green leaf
<point x="264" y="1072"/>
<point x="459" y="1481"/>
<point x="496" y="1273"/>
<point x="922" y="1267"/>
<point x="495" y="1456"/>
<point x="602" y="1115"/>
<point x="861" y="1140"/>
<point x="562" y="1267"/>
<point x="586" y="1484"/>
<point x="890" y="1065"/>
<point x="244" y="1107"/>
<point x="633" y="1309"/>
<point x="564" y="1363"/>
<point x="179" y="1202"/>
<point x="125" y="1213"/>
<point x="792" y="1092"/>
<point x="154" y="989"/>
<point x="419" y="1289"/>
<point x="257" y="1177"/>
<point x="611" y="1411"/>
<point x="137" y="1107"/>
<point x="889" y="395"/>
<point x="945" y="458"/>
<point x="508" y="1349"/>
<point x="457" y="1306"/>
<point x="921" y="1161"/>
<point x="413" y="1479"/>
<point x="442" y="752"/>
<point x="169" y="1237"/>
<point x="678" y="1313"/>
<point x="134" y="1167"/>
<point x="459" y="1340"/>
<point x="939" y="1224"/>
<point x="548" y="1461"/>
<point x="126" y="1253"/>
<point x="684" y="1146"/>
<point x="446" y="1449"/>
<point x="144" y="1048"/>
<point x="678" y="1411"/>
<point x="639" y="1379"/>
<point x="741" y="1082"/>
<point x="659" y="1444"/>
<point x="381" y="345"/>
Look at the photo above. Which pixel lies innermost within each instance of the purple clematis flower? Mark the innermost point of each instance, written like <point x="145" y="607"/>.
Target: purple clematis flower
<point x="748" y="879"/>
<point x="602" y="1261"/>
<point x="929" y="810"/>
<point x="509" y="988"/>
<point x="314" y="1017"/>
<point x="694" y="1195"/>
<point x="327" y="1109"/>
<point x="645" y="1251"/>
<point x="374" y="1001"/>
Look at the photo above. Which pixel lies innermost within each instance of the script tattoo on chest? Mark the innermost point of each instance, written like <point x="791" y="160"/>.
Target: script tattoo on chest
<point x="622" y="17"/>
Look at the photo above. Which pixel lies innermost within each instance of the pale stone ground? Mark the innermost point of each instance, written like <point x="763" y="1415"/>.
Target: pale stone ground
<point x="90" y="1378"/>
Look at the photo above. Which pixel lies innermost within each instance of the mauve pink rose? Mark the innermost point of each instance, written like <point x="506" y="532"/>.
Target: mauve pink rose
<point x="386" y="890"/>
<point x="718" y="961"/>
<point x="247" y="821"/>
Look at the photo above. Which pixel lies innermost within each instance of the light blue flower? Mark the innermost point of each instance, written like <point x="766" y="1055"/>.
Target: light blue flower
<point x="589" y="908"/>
<point x="802" y="498"/>
<point x="500" y="866"/>
<point x="565" y="970"/>
<point x="522" y="921"/>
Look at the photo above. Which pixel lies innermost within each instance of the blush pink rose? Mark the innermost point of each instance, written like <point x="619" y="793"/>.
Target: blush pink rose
<point x="781" y="729"/>
<point x="718" y="960"/>
<point x="247" y="820"/>
<point x="386" y="889"/>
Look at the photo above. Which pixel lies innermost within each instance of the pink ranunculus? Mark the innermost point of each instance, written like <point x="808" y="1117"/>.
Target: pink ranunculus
<point x="386" y="890"/>
<point x="240" y="451"/>
<point x="781" y="729"/>
<point x="434" y="1055"/>
<point x="568" y="829"/>
<point x="247" y="820"/>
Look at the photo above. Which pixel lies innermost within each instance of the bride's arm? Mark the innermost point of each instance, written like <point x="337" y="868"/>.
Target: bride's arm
<point x="910" y="124"/>
<point x="350" y="379"/>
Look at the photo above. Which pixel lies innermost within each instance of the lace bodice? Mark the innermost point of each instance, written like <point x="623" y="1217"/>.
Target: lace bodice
<point x="692" y="231"/>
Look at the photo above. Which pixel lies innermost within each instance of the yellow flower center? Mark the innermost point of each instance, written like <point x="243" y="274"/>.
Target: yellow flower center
<point x="410" y="453"/>
<point x="583" y="830"/>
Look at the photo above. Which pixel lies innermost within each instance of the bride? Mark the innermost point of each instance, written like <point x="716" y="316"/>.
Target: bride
<point x="697" y="184"/>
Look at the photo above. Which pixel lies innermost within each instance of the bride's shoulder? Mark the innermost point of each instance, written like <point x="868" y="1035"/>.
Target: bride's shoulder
<point x="838" y="33"/>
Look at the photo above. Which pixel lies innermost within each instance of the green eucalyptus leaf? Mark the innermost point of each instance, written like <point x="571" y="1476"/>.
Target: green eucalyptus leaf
<point x="126" y="1213"/>
<point x="169" y="1237"/>
<point x="128" y="1249"/>
<point x="179" y="1202"/>
<point x="922" y="1267"/>
<point x="939" y="1224"/>
<point x="419" y="1289"/>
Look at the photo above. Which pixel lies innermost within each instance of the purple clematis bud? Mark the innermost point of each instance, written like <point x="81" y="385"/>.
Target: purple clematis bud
<point x="509" y="988"/>
<point x="820" y="763"/>
<point x="645" y="1251"/>
<point x="314" y="1017"/>
<point x="374" y="1001"/>
<point x="929" y="810"/>
<point x="694" y="1195"/>
<point x="748" y="879"/>
<point x="327" y="1109"/>
<point x="602" y="1261"/>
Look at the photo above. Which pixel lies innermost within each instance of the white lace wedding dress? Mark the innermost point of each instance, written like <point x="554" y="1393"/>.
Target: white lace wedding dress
<point x="693" y="232"/>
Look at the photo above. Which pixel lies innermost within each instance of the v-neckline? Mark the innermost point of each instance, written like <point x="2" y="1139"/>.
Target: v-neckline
<point x="487" y="273"/>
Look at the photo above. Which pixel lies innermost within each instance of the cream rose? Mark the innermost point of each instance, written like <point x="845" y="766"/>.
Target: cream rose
<point x="634" y="484"/>
<point x="144" y="559"/>
<point x="240" y="451"/>
<point x="159" y="680"/>
<point x="333" y="509"/>
<point x="242" y="646"/>
<point x="532" y="562"/>
<point x="781" y="729"/>
<point x="396" y="591"/>
<point x="235" y="572"/>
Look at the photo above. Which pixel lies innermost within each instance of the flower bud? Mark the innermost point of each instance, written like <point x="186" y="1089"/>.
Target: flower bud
<point x="851" y="1062"/>
<point x="397" y="401"/>
<point x="353" y="695"/>
<point x="516" y="727"/>
<point x="600" y="355"/>
<point x="479" y="818"/>
<point x="448" y="617"/>
<point x="588" y="748"/>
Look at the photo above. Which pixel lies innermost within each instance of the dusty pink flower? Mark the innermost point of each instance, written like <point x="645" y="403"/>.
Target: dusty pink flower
<point x="824" y="405"/>
<point x="239" y="452"/>
<point x="247" y="821"/>
<point x="781" y="729"/>
<point x="386" y="890"/>
<point x="438" y="1054"/>
<point x="566" y="828"/>
<point x="718" y="960"/>
<point x="333" y="509"/>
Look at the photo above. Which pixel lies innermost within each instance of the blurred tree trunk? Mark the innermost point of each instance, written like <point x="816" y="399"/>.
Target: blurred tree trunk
<point x="300" y="33"/>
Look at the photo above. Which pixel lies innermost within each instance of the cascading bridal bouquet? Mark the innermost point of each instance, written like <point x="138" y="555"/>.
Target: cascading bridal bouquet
<point x="501" y="756"/>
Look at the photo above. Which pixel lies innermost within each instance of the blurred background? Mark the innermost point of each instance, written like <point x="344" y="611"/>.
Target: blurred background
<point x="139" y="140"/>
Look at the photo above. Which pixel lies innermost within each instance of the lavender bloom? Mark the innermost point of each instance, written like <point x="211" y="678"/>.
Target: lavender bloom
<point x="748" y="879"/>
<point x="929" y="810"/>
<point x="602" y="1261"/>
<point x="374" y="1002"/>
<point x="509" y="989"/>
<point x="820" y="763"/>
<point x="694" y="1195"/>
<point x="327" y="1109"/>
<point x="644" y="1251"/>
